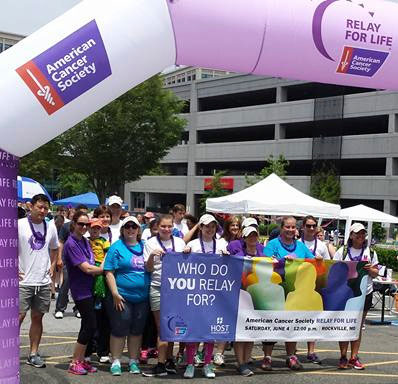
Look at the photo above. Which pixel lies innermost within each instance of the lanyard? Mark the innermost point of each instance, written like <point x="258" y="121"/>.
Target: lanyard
<point x="139" y="253"/>
<point x="163" y="247"/>
<point x="315" y="245"/>
<point x="284" y="246"/>
<point x="202" y="245"/>
<point x="39" y="239"/>
<point x="355" y="258"/>
<point x="86" y="251"/>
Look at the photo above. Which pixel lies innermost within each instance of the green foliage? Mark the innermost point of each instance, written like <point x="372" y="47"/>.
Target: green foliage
<point x="378" y="232"/>
<point x="387" y="257"/>
<point x="216" y="191"/>
<point x="125" y="139"/>
<point x="73" y="183"/>
<point x="325" y="185"/>
<point x="158" y="170"/>
<point x="40" y="163"/>
<point x="262" y="229"/>
<point x="277" y="166"/>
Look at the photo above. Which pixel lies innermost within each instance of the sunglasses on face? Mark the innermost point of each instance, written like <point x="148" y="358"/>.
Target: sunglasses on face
<point x="81" y="224"/>
<point x="130" y="226"/>
<point x="310" y="226"/>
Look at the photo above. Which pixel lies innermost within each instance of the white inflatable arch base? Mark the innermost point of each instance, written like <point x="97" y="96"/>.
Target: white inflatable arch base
<point x="98" y="50"/>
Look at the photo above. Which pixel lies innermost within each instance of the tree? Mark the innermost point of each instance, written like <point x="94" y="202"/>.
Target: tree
<point x="277" y="166"/>
<point x="40" y="163"/>
<point x="73" y="183"/>
<point x="325" y="185"/>
<point x="125" y="139"/>
<point x="217" y="190"/>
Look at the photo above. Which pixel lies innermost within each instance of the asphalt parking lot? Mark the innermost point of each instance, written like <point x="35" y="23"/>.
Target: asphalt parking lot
<point x="379" y="352"/>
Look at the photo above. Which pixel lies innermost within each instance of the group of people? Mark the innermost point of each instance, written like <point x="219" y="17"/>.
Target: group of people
<point x="113" y="269"/>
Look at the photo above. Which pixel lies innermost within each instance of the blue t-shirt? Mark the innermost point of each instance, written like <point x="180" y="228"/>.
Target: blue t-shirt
<point x="275" y="248"/>
<point x="132" y="280"/>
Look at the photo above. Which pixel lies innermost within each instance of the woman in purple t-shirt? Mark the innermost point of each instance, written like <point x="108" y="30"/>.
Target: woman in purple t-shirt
<point x="79" y="261"/>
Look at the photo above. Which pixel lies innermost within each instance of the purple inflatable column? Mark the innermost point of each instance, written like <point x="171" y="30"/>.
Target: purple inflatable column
<point x="9" y="323"/>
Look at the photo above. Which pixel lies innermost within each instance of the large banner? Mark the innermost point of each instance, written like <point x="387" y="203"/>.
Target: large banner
<point x="207" y="297"/>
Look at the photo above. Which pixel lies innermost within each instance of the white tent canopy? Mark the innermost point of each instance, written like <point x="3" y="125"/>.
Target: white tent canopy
<point x="272" y="196"/>
<point x="363" y="213"/>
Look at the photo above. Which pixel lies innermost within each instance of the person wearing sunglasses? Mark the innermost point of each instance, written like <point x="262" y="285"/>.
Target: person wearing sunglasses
<point x="79" y="260"/>
<point x="320" y="251"/>
<point x="128" y="284"/>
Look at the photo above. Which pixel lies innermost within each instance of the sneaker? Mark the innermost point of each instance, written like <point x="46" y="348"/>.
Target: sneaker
<point x="293" y="363"/>
<point x="152" y="353"/>
<point x="36" y="361"/>
<point x="77" y="314"/>
<point x="171" y="366"/>
<point x="180" y="359"/>
<point x="133" y="368"/>
<point x="266" y="365"/>
<point x="116" y="369"/>
<point x="198" y="359"/>
<point x="105" y="359"/>
<point x="76" y="367"/>
<point x="158" y="370"/>
<point x="59" y="315"/>
<point x="219" y="359"/>
<point x="244" y="370"/>
<point x="356" y="364"/>
<point x="208" y="371"/>
<point x="343" y="363"/>
<point x="88" y="367"/>
<point x="313" y="358"/>
<point x="189" y="371"/>
<point x="143" y="356"/>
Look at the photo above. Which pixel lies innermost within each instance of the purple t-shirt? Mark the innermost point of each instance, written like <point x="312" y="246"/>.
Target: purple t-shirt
<point x="235" y="247"/>
<point x="77" y="252"/>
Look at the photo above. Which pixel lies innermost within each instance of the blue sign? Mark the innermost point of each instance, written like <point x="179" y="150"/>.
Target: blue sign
<point x="199" y="297"/>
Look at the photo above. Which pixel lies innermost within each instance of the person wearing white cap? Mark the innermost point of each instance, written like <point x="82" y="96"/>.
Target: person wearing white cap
<point x="357" y="250"/>
<point x="115" y="204"/>
<point x="206" y="243"/>
<point x="243" y="350"/>
<point x="236" y="246"/>
<point x="157" y="246"/>
<point x="128" y="283"/>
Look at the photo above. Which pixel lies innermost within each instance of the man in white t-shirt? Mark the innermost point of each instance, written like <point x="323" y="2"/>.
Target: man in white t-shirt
<point x="181" y="228"/>
<point x="115" y="205"/>
<point x="37" y="252"/>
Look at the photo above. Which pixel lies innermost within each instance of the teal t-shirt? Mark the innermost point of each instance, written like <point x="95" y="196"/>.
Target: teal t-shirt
<point x="132" y="280"/>
<point x="299" y="251"/>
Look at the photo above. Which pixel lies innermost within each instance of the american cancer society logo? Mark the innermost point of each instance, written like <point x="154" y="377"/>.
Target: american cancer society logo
<point x="68" y="69"/>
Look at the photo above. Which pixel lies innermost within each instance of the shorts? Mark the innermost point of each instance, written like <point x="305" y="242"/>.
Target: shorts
<point x="154" y="298"/>
<point x="34" y="297"/>
<point x="130" y="321"/>
<point x="368" y="301"/>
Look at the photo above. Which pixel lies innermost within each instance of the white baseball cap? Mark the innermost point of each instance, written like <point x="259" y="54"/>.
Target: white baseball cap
<point x="357" y="227"/>
<point x="130" y="218"/>
<point x="115" y="200"/>
<point x="248" y="230"/>
<point x="207" y="219"/>
<point x="249" y="221"/>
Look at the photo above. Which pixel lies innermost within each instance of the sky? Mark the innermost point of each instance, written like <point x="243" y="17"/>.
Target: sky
<point x="22" y="17"/>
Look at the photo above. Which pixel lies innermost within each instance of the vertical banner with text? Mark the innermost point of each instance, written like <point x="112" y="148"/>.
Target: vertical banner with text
<point x="9" y="323"/>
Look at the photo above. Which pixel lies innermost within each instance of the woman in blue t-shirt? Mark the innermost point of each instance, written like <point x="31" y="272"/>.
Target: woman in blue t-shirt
<point x="128" y="283"/>
<point x="285" y="246"/>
